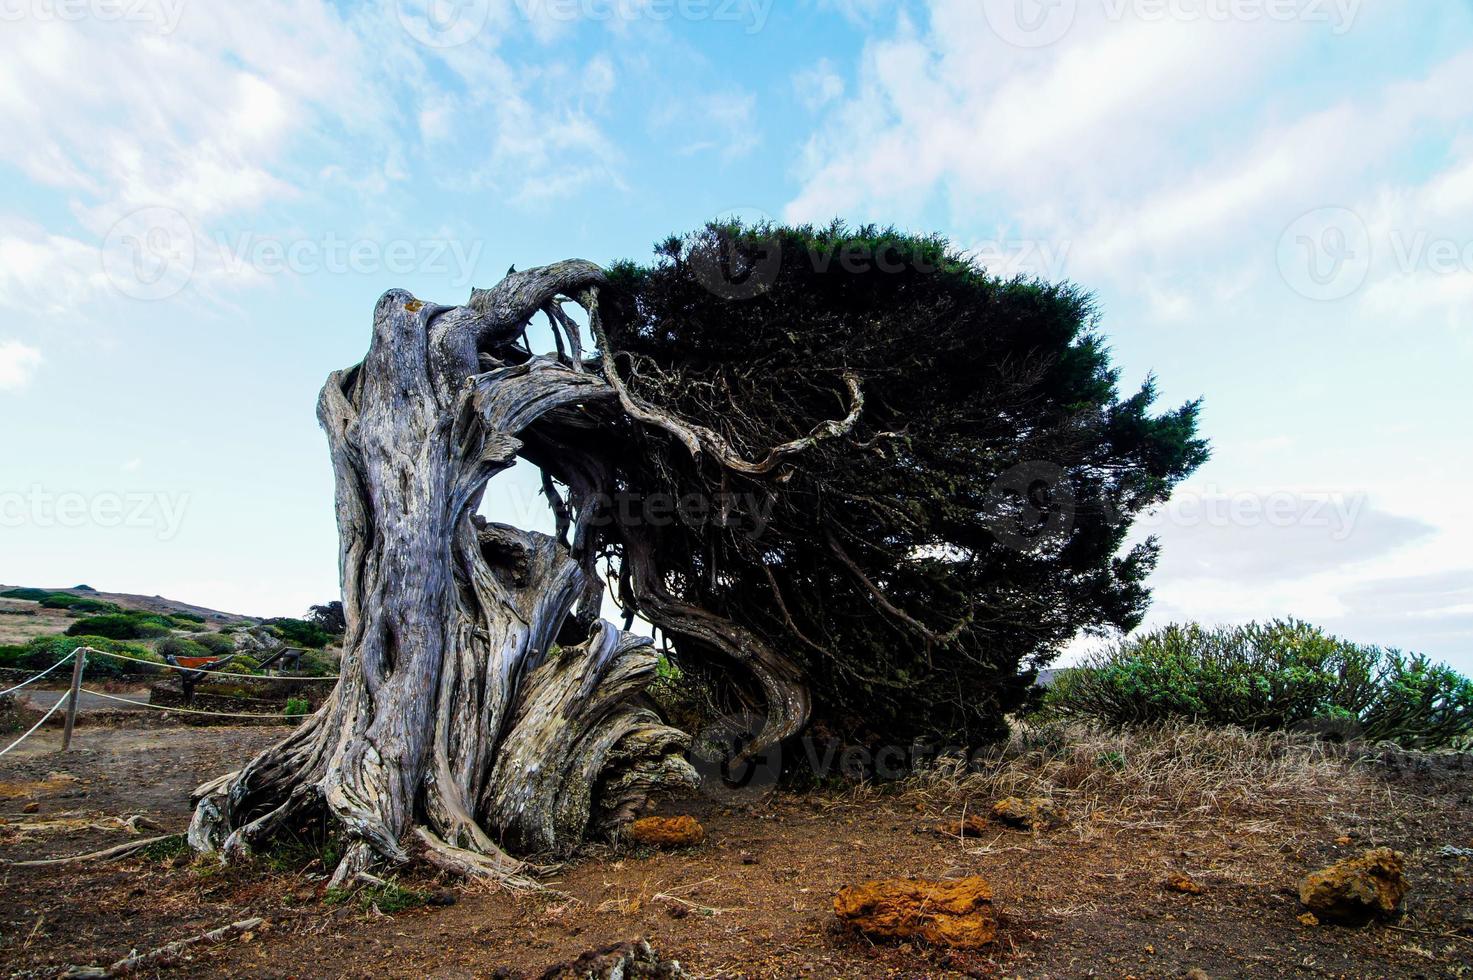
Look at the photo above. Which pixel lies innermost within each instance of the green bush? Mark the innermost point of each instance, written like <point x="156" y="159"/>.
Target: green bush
<point x="79" y="604"/>
<point x="245" y="665"/>
<point x="178" y="646"/>
<point x="44" y="651"/>
<point x="1280" y="675"/>
<point x="217" y="643"/>
<point x="121" y="626"/>
<point x="34" y="595"/>
<point x="300" y="633"/>
<point x="316" y="665"/>
<point x="297" y="708"/>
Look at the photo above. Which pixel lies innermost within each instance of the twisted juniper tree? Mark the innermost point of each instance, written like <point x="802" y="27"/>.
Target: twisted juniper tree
<point x="852" y="478"/>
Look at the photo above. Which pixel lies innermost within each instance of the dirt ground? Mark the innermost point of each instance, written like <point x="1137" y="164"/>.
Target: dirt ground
<point x="755" y="900"/>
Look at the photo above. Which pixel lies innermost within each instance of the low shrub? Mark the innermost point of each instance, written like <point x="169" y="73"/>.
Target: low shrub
<point x="178" y="646"/>
<point x="32" y="595"/>
<point x="121" y="626"/>
<point x="79" y="605"/>
<point x="1280" y="675"/>
<point x="44" y="651"/>
<point x="300" y="633"/>
<point x="297" y="708"/>
<point x="218" y="644"/>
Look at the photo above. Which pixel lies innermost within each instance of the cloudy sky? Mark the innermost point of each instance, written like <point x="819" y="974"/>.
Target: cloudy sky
<point x="1271" y="199"/>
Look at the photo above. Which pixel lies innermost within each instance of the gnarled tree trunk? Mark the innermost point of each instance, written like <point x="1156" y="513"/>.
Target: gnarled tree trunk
<point x="458" y="727"/>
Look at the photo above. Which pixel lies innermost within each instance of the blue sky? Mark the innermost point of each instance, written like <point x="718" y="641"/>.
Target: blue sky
<point x="1271" y="199"/>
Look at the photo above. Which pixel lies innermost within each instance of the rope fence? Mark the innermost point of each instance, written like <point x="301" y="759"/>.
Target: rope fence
<point x="43" y="673"/>
<point x="59" y="702"/>
<point x="216" y="673"/>
<point x="70" y="699"/>
<point x="189" y="711"/>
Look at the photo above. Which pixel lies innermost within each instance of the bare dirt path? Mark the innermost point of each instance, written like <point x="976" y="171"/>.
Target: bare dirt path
<point x="754" y="900"/>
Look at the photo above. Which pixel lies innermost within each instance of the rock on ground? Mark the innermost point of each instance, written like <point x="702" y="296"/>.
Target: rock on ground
<point x="1179" y="881"/>
<point x="1033" y="813"/>
<point x="948" y="913"/>
<point x="625" y="961"/>
<point x="682" y="831"/>
<point x="1357" y="889"/>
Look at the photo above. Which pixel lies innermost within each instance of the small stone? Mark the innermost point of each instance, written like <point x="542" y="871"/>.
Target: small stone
<point x="957" y="913"/>
<point x="31" y="807"/>
<point x="1358" y="889"/>
<point x="1197" y="973"/>
<point x="1343" y="841"/>
<point x="1034" y="813"/>
<point x="971" y="826"/>
<point x="1309" y="919"/>
<point x="1178" y="881"/>
<point x="443" y="897"/>
<point x="748" y="857"/>
<point x="676" y="911"/>
<point x="681" y="831"/>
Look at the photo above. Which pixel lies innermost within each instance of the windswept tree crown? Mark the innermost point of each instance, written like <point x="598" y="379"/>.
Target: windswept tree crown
<point x="962" y="511"/>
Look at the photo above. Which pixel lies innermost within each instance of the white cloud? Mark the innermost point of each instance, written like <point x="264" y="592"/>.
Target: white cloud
<point x="45" y="273"/>
<point x="17" y="363"/>
<point x="818" y="85"/>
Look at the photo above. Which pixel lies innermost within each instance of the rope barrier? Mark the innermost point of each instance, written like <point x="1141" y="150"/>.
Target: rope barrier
<point x="40" y="675"/>
<point x="59" y="702"/>
<point x="190" y="711"/>
<point x="215" y="673"/>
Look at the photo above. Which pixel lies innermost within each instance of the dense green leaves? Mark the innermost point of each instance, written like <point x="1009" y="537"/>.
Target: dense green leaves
<point x="1284" y="674"/>
<point x="920" y="566"/>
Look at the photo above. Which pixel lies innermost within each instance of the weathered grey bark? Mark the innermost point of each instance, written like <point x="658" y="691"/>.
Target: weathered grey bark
<point x="456" y="727"/>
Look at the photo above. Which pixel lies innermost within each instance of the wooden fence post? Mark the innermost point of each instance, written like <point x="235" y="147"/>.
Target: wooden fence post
<point x="79" y="659"/>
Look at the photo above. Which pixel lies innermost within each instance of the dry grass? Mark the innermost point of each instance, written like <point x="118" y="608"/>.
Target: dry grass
<point x="21" y="621"/>
<point x="1179" y="774"/>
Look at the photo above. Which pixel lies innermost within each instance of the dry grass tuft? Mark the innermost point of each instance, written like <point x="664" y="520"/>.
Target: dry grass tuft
<point x="1178" y="773"/>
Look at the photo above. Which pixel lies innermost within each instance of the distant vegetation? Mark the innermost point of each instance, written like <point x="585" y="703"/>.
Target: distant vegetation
<point x="132" y="625"/>
<point x="62" y="600"/>
<point x="301" y="632"/>
<point x="45" y="651"/>
<point x="1279" y="675"/>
